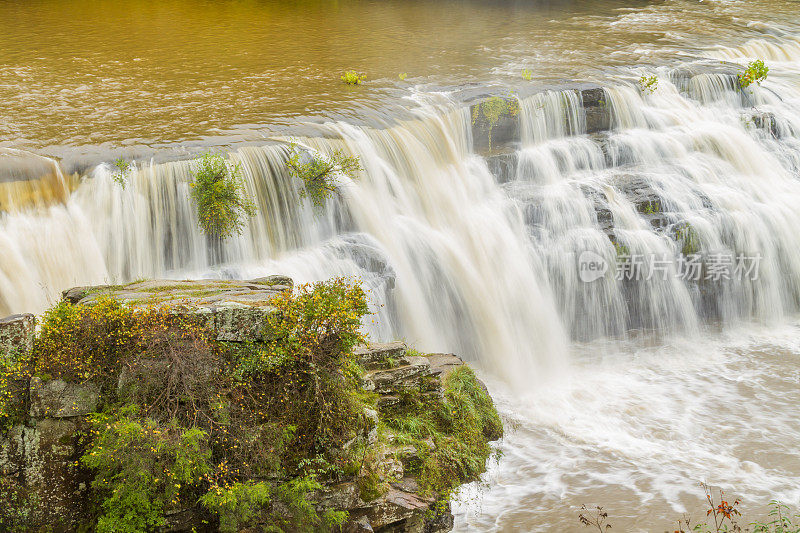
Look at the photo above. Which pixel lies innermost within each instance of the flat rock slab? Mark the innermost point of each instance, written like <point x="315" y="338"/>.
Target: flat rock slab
<point x="398" y="378"/>
<point x="381" y="355"/>
<point x="236" y="310"/>
<point x="208" y="292"/>
<point x="442" y="364"/>
<point x="16" y="335"/>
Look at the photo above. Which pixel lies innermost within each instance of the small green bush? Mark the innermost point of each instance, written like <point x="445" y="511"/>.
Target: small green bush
<point x="318" y="173"/>
<point x="143" y="468"/>
<point x="79" y="343"/>
<point x="219" y="195"/>
<point x="123" y="169"/>
<point x="308" y="376"/>
<point x="780" y="520"/>
<point x="527" y="75"/>
<point x="756" y="72"/>
<point x="402" y="76"/>
<point x="648" y="84"/>
<point x="351" y="77"/>
<point x="687" y="238"/>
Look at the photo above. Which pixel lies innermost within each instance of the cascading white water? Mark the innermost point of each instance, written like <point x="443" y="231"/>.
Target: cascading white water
<point x="426" y="220"/>
<point x="456" y="261"/>
<point x="634" y="425"/>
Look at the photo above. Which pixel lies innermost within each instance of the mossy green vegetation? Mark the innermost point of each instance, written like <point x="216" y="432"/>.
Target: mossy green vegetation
<point x="494" y="108"/>
<point x="687" y="238"/>
<point x="122" y="170"/>
<point x="451" y="434"/>
<point x="351" y="77"/>
<point x="11" y="390"/>
<point x="241" y="435"/>
<point x="219" y="195"/>
<point x="622" y="251"/>
<point x="648" y="84"/>
<point x="490" y="112"/>
<point x="319" y="172"/>
<point x="755" y="72"/>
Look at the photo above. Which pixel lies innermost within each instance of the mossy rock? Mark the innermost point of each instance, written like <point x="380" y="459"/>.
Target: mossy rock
<point x="495" y="125"/>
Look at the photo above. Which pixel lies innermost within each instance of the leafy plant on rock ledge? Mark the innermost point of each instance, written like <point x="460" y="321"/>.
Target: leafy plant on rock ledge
<point x="755" y="72"/>
<point x="219" y="195"/>
<point x="648" y="84"/>
<point x="351" y="77"/>
<point x="122" y="171"/>
<point x="319" y="172"/>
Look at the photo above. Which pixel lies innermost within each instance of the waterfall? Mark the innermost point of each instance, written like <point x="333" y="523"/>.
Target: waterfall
<point x="455" y="258"/>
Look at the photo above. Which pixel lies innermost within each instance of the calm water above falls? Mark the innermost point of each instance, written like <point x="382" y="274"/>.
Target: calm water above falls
<point x="85" y="73"/>
<point x="620" y="394"/>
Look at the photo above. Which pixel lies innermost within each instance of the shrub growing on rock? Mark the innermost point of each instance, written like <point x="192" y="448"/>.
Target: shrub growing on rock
<point x="648" y="84"/>
<point x="318" y="173"/>
<point x="351" y="77"/>
<point x="755" y="72"/>
<point x="143" y="468"/>
<point x="219" y="195"/>
<point x="488" y="114"/>
<point x="12" y="388"/>
<point x="122" y="169"/>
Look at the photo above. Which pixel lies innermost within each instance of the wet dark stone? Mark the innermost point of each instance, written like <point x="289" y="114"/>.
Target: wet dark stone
<point x="598" y="112"/>
<point x="500" y="136"/>
<point x="601" y="209"/>
<point x="503" y="167"/>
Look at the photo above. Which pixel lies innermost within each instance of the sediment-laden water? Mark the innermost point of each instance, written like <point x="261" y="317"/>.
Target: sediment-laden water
<point x="619" y="392"/>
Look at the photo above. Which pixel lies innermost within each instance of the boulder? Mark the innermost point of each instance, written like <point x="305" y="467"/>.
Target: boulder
<point x="241" y="323"/>
<point x="442" y="364"/>
<point x="602" y="210"/>
<point x="275" y="281"/>
<point x="647" y="200"/>
<point x="50" y="473"/>
<point x="380" y="355"/>
<point x="767" y="122"/>
<point x="503" y="166"/>
<point x="11" y="451"/>
<point x="495" y="125"/>
<point x="343" y="495"/>
<point x="398" y="507"/>
<point x="236" y="310"/>
<point x="58" y="399"/>
<point x="16" y="335"/>
<point x="597" y="109"/>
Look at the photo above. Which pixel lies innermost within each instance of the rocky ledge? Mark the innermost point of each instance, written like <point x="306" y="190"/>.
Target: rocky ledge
<point x="42" y="480"/>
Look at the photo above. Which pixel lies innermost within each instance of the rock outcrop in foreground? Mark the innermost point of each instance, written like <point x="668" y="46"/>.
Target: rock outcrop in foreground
<point x="399" y="485"/>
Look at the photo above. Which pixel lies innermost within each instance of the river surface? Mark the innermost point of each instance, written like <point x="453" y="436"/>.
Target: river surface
<point x="625" y="393"/>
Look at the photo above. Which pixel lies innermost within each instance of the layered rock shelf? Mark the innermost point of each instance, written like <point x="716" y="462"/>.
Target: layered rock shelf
<point x="40" y="451"/>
